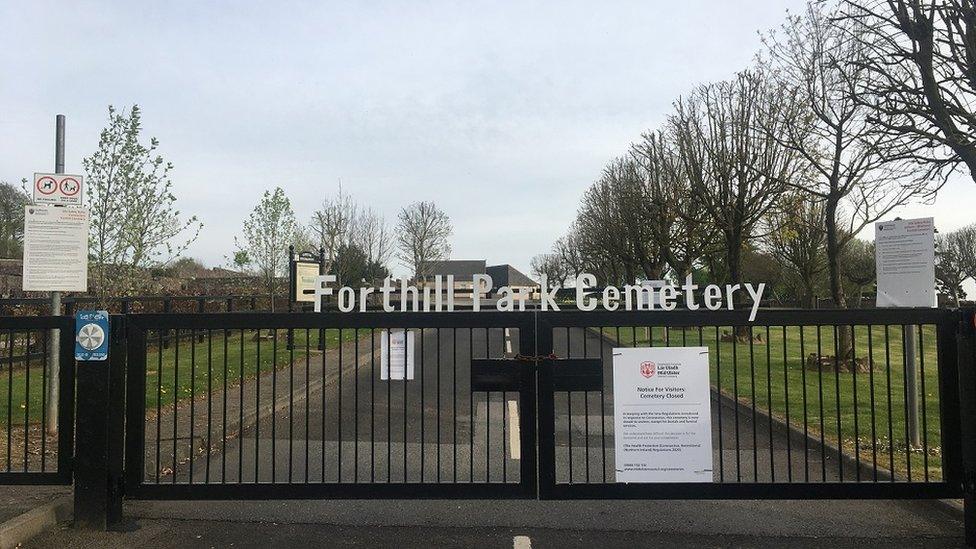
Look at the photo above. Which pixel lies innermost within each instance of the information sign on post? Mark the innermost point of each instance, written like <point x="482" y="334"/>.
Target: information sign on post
<point x="397" y="361"/>
<point x="905" y="257"/>
<point x="662" y="414"/>
<point x="55" y="249"/>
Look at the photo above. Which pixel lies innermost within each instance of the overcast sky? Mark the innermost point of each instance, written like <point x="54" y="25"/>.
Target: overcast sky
<point x="501" y="113"/>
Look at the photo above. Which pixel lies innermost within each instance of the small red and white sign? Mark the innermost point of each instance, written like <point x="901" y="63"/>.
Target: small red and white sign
<point x="648" y="369"/>
<point x="58" y="188"/>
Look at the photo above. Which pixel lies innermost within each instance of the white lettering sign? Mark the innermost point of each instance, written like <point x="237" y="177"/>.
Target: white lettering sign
<point x="662" y="414"/>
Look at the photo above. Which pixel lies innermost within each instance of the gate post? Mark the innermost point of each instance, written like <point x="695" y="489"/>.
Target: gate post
<point x="966" y="346"/>
<point x="98" y="447"/>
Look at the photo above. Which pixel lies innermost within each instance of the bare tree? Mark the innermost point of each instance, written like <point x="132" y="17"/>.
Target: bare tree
<point x="852" y="167"/>
<point x="921" y="76"/>
<point x="372" y="235"/>
<point x="332" y="224"/>
<point x="950" y="271"/>
<point x="671" y="212"/>
<point x="550" y="266"/>
<point x="568" y="249"/>
<point x="736" y="171"/>
<point x="12" y="202"/>
<point x="966" y="237"/>
<point x="423" y="236"/>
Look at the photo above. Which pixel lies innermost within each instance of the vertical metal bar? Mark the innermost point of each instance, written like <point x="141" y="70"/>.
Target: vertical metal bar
<point x="308" y="396"/>
<point x="240" y="411"/>
<point x="874" y="418"/>
<point x="176" y="395"/>
<point x="257" y="405"/>
<point x="603" y="414"/>
<point x="569" y="409"/>
<point x="823" y="445"/>
<point x="586" y="419"/>
<point x="44" y="367"/>
<point x="487" y="414"/>
<point x="925" y="427"/>
<point x="857" y="433"/>
<point x="454" y="440"/>
<point x="786" y="402"/>
<point x="323" y="342"/>
<point x="339" y="412"/>
<point x="274" y="403"/>
<point x="891" y="434"/>
<point x="355" y="450"/>
<point x="909" y="400"/>
<point x="840" y="435"/>
<point x="389" y="409"/>
<point x="209" y="399"/>
<point x="159" y="400"/>
<point x="66" y="400"/>
<point x="223" y="413"/>
<point x="769" y="404"/>
<point x="372" y="404"/>
<point x="10" y="420"/>
<point x="423" y="449"/>
<point x="291" y="403"/>
<point x="406" y="363"/>
<point x="735" y="409"/>
<point x="193" y="418"/>
<point x="11" y="335"/>
<point x="755" y="426"/>
<point x="546" y="410"/>
<point x="718" y="394"/>
<point x="438" y="397"/>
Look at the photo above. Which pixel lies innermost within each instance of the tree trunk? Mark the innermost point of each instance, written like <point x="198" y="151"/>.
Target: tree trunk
<point x="845" y="335"/>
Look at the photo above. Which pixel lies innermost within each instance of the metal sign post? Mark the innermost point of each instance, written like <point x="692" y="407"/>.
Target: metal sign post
<point x="54" y="338"/>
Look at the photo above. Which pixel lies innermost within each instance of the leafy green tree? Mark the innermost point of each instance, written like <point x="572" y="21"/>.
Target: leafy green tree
<point x="12" y="202"/>
<point x="265" y="238"/>
<point x="136" y="225"/>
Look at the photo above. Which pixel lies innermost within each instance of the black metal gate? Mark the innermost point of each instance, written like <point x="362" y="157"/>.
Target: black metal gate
<point x="520" y="405"/>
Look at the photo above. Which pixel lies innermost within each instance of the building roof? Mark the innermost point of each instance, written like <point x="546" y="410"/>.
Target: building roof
<point x="460" y="268"/>
<point x="506" y="275"/>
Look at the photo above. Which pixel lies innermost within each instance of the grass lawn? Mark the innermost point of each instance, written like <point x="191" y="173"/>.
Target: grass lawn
<point x="183" y="369"/>
<point x="864" y="410"/>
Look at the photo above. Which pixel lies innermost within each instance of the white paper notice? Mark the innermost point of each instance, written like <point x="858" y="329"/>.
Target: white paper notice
<point x="55" y="249"/>
<point x="662" y="414"/>
<point x="905" y="256"/>
<point x="397" y="350"/>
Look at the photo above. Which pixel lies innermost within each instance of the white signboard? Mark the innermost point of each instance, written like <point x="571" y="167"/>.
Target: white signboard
<point x="58" y="188"/>
<point x="905" y="256"/>
<point x="397" y="355"/>
<point x="305" y="276"/>
<point x="55" y="249"/>
<point x="662" y="414"/>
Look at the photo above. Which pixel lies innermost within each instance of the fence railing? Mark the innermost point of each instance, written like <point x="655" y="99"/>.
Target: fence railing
<point x="145" y="304"/>
<point x="32" y="392"/>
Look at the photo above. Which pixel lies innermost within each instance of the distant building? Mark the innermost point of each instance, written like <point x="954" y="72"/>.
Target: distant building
<point x="463" y="271"/>
<point x="506" y="275"/>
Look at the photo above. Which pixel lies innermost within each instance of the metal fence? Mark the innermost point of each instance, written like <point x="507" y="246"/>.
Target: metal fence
<point x="521" y="404"/>
<point x="143" y="304"/>
<point x="30" y="453"/>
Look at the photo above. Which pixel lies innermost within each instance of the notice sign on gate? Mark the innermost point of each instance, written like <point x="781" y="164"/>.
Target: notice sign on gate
<point x="662" y="414"/>
<point x="91" y="335"/>
<point x="397" y="355"/>
<point x="58" y="188"/>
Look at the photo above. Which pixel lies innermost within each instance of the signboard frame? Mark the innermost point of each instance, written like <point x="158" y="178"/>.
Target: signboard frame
<point x="60" y="187"/>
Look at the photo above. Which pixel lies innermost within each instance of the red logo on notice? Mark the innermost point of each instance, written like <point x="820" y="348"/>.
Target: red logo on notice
<point x="648" y="369"/>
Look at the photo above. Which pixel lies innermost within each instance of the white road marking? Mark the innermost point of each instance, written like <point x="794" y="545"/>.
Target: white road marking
<point x="508" y="341"/>
<point x="521" y="542"/>
<point x="514" y="437"/>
